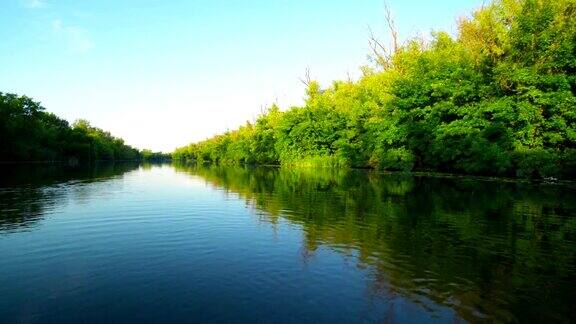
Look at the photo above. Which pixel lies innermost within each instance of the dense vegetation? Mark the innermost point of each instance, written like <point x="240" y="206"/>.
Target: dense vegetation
<point x="29" y="133"/>
<point x="497" y="99"/>
<point x="149" y="156"/>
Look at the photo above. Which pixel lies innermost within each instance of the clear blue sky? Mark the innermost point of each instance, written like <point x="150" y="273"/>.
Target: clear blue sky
<point x="161" y="74"/>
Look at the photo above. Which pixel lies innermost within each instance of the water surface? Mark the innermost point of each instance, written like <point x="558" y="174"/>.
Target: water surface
<point x="129" y="243"/>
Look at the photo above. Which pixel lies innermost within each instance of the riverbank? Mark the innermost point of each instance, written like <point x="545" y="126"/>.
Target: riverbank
<point x="495" y="99"/>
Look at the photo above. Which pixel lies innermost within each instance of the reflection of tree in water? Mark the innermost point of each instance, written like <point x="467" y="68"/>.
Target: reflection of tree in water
<point x="23" y="208"/>
<point x="29" y="192"/>
<point x="504" y="251"/>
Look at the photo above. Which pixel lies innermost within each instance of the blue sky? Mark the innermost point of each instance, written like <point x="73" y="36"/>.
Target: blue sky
<point x="161" y="74"/>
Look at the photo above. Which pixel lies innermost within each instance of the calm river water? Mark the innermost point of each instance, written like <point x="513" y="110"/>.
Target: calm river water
<point x="130" y="243"/>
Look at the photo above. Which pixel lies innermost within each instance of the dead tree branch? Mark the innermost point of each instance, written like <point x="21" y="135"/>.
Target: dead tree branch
<point x="306" y="80"/>
<point x="383" y="54"/>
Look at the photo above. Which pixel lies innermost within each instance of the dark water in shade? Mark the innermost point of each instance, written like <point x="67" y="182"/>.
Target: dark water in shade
<point x="129" y="243"/>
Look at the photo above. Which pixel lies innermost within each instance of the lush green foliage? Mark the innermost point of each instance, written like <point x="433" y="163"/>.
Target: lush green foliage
<point x="28" y="133"/>
<point x="498" y="99"/>
<point x="148" y="155"/>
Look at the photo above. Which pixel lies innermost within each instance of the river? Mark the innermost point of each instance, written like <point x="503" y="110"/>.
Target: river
<point x="182" y="243"/>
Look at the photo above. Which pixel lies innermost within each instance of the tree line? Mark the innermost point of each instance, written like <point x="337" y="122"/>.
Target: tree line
<point x="496" y="99"/>
<point x="29" y="133"/>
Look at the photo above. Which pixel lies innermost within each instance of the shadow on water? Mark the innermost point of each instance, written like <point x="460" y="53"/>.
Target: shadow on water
<point x="490" y="250"/>
<point x="28" y="191"/>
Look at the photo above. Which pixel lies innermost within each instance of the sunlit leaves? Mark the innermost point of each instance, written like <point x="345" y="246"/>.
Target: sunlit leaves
<point x="498" y="99"/>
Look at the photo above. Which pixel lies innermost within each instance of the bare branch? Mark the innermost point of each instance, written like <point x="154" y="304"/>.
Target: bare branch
<point x="381" y="53"/>
<point x="306" y="80"/>
<point x="375" y="43"/>
<point x="391" y="26"/>
<point x="349" y="77"/>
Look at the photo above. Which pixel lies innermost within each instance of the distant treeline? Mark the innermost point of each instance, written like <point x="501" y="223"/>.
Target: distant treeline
<point x="150" y="156"/>
<point x="29" y="133"/>
<point x="497" y="99"/>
